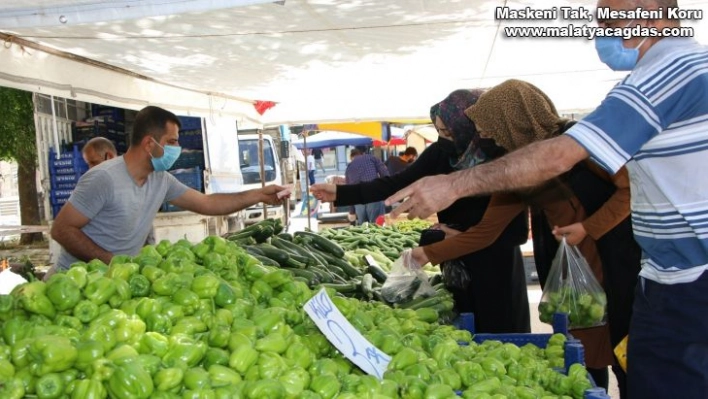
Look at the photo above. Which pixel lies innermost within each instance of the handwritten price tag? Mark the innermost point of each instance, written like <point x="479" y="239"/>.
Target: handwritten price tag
<point x="344" y="336"/>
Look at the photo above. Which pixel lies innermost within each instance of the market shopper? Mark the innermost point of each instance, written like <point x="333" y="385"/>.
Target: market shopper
<point x="398" y="163"/>
<point x="319" y="161"/>
<point x="113" y="205"/>
<point x="592" y="205"/>
<point x="365" y="168"/>
<point x="496" y="291"/>
<point x="654" y="121"/>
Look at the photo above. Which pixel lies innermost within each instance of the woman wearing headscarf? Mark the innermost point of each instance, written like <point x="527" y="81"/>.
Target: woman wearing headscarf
<point x="592" y="206"/>
<point x="496" y="292"/>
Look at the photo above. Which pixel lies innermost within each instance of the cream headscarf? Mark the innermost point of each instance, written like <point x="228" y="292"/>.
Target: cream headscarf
<point x="515" y="114"/>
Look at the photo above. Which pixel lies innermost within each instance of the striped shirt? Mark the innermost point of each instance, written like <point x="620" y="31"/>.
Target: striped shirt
<point x="656" y="122"/>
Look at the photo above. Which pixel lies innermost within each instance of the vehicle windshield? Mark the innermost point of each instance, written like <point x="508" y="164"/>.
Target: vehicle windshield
<point x="248" y="158"/>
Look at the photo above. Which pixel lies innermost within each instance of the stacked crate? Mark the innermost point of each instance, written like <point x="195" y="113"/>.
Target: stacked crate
<point x="64" y="173"/>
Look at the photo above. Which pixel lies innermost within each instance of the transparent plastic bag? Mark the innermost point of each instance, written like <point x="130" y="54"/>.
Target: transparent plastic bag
<point x="455" y="274"/>
<point x="572" y="288"/>
<point x="404" y="284"/>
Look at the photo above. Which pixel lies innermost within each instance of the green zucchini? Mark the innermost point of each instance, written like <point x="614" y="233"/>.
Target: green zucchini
<point x="322" y="243"/>
<point x="312" y="278"/>
<point x="274" y="253"/>
<point x="266" y="261"/>
<point x="285" y="236"/>
<point x="341" y="288"/>
<point x="367" y="285"/>
<point x="378" y="273"/>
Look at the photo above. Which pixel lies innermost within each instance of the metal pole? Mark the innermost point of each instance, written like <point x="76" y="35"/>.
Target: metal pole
<point x="307" y="179"/>
<point x="262" y="165"/>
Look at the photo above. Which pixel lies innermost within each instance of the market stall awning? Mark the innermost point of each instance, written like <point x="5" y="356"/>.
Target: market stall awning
<point x="332" y="139"/>
<point x="375" y="130"/>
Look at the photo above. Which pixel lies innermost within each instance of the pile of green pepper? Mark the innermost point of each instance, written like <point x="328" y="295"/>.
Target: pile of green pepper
<point x="208" y="320"/>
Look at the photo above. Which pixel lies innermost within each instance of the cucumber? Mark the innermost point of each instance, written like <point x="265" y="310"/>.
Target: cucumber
<point x="341" y="288"/>
<point x="312" y="278"/>
<point x="323" y="274"/>
<point x="265" y="233"/>
<point x="241" y="235"/>
<point x="253" y="250"/>
<point x="294" y="263"/>
<point x="322" y="243"/>
<point x="300" y="254"/>
<point x="367" y="285"/>
<point x="274" y="253"/>
<point x="350" y="270"/>
<point x="377" y="273"/>
<point x="285" y="236"/>
<point x="266" y="261"/>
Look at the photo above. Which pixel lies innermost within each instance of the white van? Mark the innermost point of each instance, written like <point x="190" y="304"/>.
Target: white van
<point x="251" y="173"/>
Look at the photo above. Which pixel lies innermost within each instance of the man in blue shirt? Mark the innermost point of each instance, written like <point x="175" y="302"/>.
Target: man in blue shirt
<point x="656" y="122"/>
<point x="364" y="168"/>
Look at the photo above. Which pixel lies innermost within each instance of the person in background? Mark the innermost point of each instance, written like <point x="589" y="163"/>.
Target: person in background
<point x="311" y="167"/>
<point x="496" y="288"/>
<point x="397" y="164"/>
<point x="97" y="150"/>
<point x="365" y="168"/>
<point x="317" y="153"/>
<point x="655" y="122"/>
<point x="112" y="208"/>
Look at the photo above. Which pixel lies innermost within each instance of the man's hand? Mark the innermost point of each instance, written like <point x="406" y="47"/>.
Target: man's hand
<point x="269" y="194"/>
<point x="324" y="192"/>
<point x="419" y="256"/>
<point x="574" y="233"/>
<point x="424" y="197"/>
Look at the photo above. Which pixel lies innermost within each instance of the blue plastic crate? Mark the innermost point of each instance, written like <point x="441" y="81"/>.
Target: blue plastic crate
<point x="113" y="113"/>
<point x="190" y="123"/>
<point x="191" y="141"/>
<point x="190" y="177"/>
<point x="189" y="159"/>
<point x="70" y="170"/>
<point x="66" y="158"/>
<point x="574" y="352"/>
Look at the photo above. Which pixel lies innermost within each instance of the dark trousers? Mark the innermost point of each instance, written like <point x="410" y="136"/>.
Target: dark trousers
<point x="667" y="353"/>
<point x="311" y="175"/>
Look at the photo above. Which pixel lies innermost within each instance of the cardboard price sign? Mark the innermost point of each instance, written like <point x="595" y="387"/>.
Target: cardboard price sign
<point x="344" y="336"/>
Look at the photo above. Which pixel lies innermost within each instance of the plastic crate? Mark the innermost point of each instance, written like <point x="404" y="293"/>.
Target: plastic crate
<point x="189" y="160"/>
<point x="66" y="158"/>
<point x="191" y="141"/>
<point x="190" y="177"/>
<point x="113" y="113"/>
<point x="574" y="352"/>
<point x="190" y="123"/>
<point x="70" y="170"/>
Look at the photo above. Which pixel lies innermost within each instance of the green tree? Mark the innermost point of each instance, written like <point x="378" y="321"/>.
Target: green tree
<point x="18" y="143"/>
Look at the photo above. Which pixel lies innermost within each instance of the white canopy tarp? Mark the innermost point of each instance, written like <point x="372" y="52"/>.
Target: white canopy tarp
<point x="320" y="60"/>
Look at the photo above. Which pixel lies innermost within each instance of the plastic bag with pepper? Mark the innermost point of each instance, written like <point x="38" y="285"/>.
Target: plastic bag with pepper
<point x="572" y="288"/>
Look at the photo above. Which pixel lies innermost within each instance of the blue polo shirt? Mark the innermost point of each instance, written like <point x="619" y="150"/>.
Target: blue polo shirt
<point x="656" y="122"/>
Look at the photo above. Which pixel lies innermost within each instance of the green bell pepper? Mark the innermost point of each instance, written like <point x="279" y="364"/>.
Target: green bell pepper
<point x="215" y="356"/>
<point x="184" y="350"/>
<point x="88" y="389"/>
<point x="243" y="358"/>
<point x="122" y="271"/>
<point x="197" y="378"/>
<point x="159" y="322"/>
<point x="298" y="354"/>
<point x="121" y="295"/>
<point x="98" y="265"/>
<point x="219" y="336"/>
<point x="12" y="389"/>
<point x="14" y="330"/>
<point x="165" y="285"/>
<point x="169" y="379"/>
<point x="63" y="292"/>
<point x="262" y="389"/>
<point x="51" y="354"/>
<point x="147" y="306"/>
<point x="100" y="290"/>
<point x="173" y="311"/>
<point x="78" y="275"/>
<point x="85" y="311"/>
<point x="152" y="273"/>
<point x="273" y="342"/>
<point x="187" y="299"/>
<point x="50" y="386"/>
<point x="326" y="386"/>
<point x="150" y="363"/>
<point x="223" y="316"/>
<point x="277" y="277"/>
<point x="206" y="285"/>
<point x="153" y="343"/>
<point x="69" y="321"/>
<point x="200" y="250"/>
<point x="87" y="352"/>
<point x="439" y="391"/>
<point x="225" y="295"/>
<point x="130" y="329"/>
<point x="121" y="354"/>
<point x="404" y="358"/>
<point x="270" y="365"/>
<point x="130" y="381"/>
<point x="32" y="298"/>
<point x="163" y="247"/>
<point x="189" y="325"/>
<point x="102" y="334"/>
<point x="139" y="285"/>
<point x="295" y="380"/>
